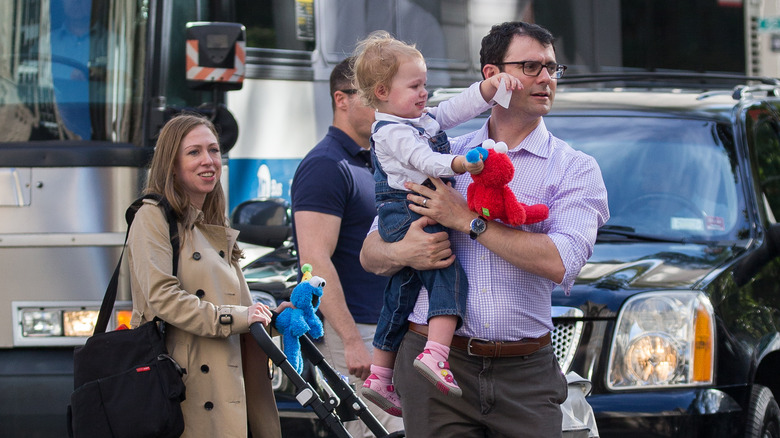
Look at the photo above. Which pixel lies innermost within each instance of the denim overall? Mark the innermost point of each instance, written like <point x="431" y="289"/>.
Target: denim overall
<point x="447" y="287"/>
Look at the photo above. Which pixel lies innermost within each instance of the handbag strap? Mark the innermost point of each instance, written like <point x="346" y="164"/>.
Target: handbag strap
<point x="110" y="296"/>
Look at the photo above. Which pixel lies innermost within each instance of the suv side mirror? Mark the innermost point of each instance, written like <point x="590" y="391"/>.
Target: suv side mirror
<point x="264" y="222"/>
<point x="751" y="264"/>
<point x="773" y="240"/>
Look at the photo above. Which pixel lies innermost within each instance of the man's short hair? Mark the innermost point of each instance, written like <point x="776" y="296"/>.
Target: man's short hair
<point x="341" y="78"/>
<point x="496" y="42"/>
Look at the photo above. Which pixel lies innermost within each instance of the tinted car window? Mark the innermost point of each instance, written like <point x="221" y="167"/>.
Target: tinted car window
<point x="669" y="178"/>
<point x="763" y="131"/>
<point x="666" y="177"/>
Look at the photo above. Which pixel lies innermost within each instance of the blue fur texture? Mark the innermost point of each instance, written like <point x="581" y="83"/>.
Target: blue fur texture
<point x="293" y="323"/>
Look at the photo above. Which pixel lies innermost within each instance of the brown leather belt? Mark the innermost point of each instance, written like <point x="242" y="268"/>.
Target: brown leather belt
<point x="485" y="348"/>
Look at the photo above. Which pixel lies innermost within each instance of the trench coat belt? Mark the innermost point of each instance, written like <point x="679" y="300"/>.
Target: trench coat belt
<point x="485" y="348"/>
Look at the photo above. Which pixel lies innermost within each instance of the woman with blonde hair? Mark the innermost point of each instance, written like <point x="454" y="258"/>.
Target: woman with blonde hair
<point x="206" y="307"/>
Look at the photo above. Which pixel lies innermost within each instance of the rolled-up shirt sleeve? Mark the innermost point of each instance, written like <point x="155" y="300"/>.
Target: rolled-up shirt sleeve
<point x="577" y="210"/>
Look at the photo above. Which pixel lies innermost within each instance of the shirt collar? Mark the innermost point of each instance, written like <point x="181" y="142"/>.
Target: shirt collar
<point x="391" y="118"/>
<point x="346" y="142"/>
<point x="537" y="142"/>
<point x="425" y="121"/>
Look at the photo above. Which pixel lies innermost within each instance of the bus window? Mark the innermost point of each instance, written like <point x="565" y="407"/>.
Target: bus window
<point x="176" y="91"/>
<point x="70" y="58"/>
<point x="278" y="24"/>
<point x="438" y="35"/>
<point x="58" y="81"/>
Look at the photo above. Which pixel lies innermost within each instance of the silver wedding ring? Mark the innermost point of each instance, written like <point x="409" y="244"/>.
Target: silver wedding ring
<point x="425" y="202"/>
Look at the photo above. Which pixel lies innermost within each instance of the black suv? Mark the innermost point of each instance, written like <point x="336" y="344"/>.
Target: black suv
<point x="676" y="317"/>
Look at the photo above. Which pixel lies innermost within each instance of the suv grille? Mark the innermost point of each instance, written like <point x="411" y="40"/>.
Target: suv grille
<point x="566" y="336"/>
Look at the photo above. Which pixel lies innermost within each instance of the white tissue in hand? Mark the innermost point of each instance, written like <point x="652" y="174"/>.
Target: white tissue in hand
<point x="503" y="95"/>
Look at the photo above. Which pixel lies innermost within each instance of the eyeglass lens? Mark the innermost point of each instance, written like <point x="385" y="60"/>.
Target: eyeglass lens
<point x="534" y="68"/>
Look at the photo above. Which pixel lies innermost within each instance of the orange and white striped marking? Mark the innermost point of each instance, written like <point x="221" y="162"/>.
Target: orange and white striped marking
<point x="212" y="74"/>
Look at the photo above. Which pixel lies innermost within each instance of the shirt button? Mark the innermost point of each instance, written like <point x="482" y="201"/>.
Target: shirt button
<point x="487" y="325"/>
<point x="483" y="290"/>
<point x="222" y="253"/>
<point x="204" y="369"/>
<point x="200" y="293"/>
<point x="196" y="255"/>
<point x="208" y="406"/>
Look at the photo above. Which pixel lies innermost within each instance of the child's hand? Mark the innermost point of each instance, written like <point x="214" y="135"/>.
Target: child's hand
<point x="489" y="87"/>
<point x="476" y="154"/>
<point x="474" y="168"/>
<point x="474" y="160"/>
<point x="471" y="163"/>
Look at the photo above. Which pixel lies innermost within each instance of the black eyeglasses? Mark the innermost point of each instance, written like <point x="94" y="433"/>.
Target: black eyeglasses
<point x="349" y="91"/>
<point x="534" y="68"/>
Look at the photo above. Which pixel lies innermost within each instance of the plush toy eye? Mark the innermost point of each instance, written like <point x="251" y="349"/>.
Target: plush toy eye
<point x="317" y="281"/>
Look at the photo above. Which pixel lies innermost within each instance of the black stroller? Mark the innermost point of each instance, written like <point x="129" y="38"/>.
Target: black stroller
<point x="267" y="223"/>
<point x="326" y="410"/>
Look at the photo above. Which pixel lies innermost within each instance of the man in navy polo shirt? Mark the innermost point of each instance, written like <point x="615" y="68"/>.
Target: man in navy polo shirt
<point x="333" y="206"/>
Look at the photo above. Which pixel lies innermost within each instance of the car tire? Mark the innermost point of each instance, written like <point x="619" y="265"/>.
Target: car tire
<point x="763" y="419"/>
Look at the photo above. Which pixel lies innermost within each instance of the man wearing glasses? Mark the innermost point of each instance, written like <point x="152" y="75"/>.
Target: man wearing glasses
<point x="506" y="366"/>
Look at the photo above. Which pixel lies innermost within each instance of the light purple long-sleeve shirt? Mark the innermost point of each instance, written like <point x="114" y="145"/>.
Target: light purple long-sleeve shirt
<point x="506" y="303"/>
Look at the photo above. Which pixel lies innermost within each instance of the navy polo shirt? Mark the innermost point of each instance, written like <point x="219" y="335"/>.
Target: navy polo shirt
<point x="336" y="178"/>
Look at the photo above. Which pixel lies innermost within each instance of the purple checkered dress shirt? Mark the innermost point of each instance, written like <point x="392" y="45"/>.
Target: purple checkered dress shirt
<point x="504" y="302"/>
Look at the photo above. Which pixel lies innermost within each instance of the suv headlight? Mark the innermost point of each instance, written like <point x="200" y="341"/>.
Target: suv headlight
<point x="663" y="339"/>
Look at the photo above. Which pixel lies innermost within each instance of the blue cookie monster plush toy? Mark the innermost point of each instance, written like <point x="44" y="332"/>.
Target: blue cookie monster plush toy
<point x="295" y="322"/>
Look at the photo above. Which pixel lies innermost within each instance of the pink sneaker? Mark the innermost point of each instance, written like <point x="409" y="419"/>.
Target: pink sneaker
<point x="438" y="373"/>
<point x="381" y="395"/>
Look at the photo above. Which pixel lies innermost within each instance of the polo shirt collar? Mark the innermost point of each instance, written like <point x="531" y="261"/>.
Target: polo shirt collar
<point x="346" y="142"/>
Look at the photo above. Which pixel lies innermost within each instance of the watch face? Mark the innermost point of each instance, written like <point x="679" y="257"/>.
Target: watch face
<point x="478" y="225"/>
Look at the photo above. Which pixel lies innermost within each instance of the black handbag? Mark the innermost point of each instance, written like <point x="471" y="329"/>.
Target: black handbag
<point x="126" y="384"/>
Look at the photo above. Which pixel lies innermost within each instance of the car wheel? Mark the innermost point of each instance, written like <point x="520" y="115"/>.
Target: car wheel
<point x="764" y="415"/>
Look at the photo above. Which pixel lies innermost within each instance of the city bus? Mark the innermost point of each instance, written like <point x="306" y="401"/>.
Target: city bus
<point x="84" y="87"/>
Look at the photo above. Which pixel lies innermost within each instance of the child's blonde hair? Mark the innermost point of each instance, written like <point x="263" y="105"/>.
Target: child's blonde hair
<point x="377" y="59"/>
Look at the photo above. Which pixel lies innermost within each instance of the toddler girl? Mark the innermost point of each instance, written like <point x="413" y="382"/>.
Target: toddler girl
<point x="408" y="144"/>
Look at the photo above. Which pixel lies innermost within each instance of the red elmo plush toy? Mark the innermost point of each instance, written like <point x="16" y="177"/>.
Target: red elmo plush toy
<point x="489" y="195"/>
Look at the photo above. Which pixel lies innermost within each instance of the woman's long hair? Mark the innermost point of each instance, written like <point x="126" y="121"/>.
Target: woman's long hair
<point x="161" y="178"/>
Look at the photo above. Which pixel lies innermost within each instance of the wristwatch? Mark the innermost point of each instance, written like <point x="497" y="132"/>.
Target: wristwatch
<point x="477" y="227"/>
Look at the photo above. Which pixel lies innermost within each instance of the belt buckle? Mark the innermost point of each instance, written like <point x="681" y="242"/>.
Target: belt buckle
<point x="468" y="345"/>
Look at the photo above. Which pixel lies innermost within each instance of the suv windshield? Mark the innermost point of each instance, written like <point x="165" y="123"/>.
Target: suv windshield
<point x="667" y="178"/>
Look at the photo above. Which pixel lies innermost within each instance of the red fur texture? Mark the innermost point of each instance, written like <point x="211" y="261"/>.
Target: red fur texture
<point x="490" y="197"/>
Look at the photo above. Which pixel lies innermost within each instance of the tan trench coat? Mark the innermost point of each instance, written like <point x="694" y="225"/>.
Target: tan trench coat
<point x="205" y="309"/>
